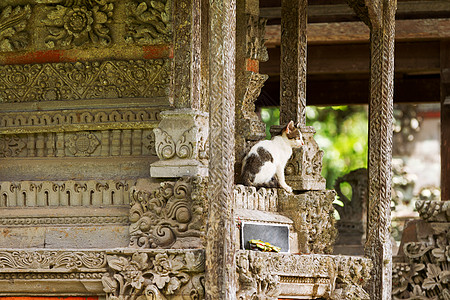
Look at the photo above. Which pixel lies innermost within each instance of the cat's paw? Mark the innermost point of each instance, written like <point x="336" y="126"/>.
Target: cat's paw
<point x="287" y="189"/>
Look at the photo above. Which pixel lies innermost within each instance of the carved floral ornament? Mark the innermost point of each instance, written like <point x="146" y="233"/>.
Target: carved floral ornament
<point x="155" y="275"/>
<point x="173" y="211"/>
<point x="85" y="22"/>
<point x="13" y="22"/>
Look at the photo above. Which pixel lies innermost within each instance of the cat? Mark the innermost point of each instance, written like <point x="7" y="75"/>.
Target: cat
<point x="264" y="164"/>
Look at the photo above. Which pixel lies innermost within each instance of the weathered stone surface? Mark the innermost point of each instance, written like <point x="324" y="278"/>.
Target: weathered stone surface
<point x="182" y="150"/>
<point x="312" y="213"/>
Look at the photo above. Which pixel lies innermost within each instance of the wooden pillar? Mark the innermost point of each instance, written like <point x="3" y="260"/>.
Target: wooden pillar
<point x="220" y="235"/>
<point x="378" y="244"/>
<point x="445" y="120"/>
<point x="293" y="61"/>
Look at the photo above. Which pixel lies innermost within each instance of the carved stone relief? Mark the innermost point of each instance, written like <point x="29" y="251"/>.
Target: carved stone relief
<point x="84" y="80"/>
<point x="249" y="197"/>
<point x="149" y="23"/>
<point x="171" y="216"/>
<point x="182" y="150"/>
<point x="103" y="143"/>
<point x="13" y="23"/>
<point x="314" y="222"/>
<point x="256" y="29"/>
<point x="155" y="275"/>
<point x="424" y="274"/>
<point x="64" y="193"/>
<point x="84" y="22"/>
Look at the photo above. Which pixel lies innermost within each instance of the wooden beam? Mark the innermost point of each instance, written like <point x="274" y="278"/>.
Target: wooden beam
<point x="349" y="91"/>
<point x="357" y="32"/>
<point x="410" y="58"/>
<point x="341" y="12"/>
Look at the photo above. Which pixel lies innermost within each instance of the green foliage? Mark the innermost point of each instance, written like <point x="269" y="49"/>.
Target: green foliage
<point x="341" y="133"/>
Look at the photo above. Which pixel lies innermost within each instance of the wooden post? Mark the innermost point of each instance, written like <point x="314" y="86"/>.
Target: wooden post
<point x="445" y="120"/>
<point x="293" y="61"/>
<point x="378" y="244"/>
<point x="220" y="235"/>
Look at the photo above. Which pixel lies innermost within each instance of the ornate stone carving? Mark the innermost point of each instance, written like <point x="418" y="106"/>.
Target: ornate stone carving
<point x="312" y="213"/>
<point x="64" y="193"/>
<point x="155" y="275"/>
<point x="55" y="221"/>
<point x="79" y="24"/>
<point x="13" y="24"/>
<point x="256" y="29"/>
<point x="11" y="145"/>
<point x="352" y="222"/>
<point x="255" y="279"/>
<point x="84" y="80"/>
<point x="249" y="197"/>
<point x="434" y="210"/>
<point x="172" y="216"/>
<point x="304" y="168"/>
<point x="273" y="275"/>
<point x="82" y="143"/>
<point x="182" y="150"/>
<point x="149" y="23"/>
<point x="51" y="259"/>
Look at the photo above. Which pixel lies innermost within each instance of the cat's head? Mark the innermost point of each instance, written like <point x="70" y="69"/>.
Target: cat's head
<point x="293" y="135"/>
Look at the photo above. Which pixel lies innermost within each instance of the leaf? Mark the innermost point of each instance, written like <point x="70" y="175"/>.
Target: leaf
<point x="141" y="8"/>
<point x="160" y="281"/>
<point x="109" y="284"/>
<point x="117" y="263"/>
<point x="433" y="271"/>
<point x="429" y="284"/>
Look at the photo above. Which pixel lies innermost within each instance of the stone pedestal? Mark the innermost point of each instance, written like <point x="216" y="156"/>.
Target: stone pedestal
<point x="304" y="168"/>
<point x="181" y="144"/>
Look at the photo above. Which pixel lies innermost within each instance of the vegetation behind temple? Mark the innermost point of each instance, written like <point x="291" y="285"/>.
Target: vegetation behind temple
<point x="341" y="133"/>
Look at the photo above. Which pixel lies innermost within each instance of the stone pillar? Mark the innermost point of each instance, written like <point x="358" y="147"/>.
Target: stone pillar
<point x="293" y="61"/>
<point x="220" y="245"/>
<point x="378" y="245"/>
<point x="181" y="137"/>
<point x="250" y="50"/>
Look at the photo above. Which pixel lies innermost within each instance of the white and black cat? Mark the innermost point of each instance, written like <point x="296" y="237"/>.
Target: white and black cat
<point x="264" y="164"/>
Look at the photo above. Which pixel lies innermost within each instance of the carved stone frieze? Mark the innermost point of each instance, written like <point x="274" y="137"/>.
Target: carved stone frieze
<point x="64" y="193"/>
<point x="182" y="150"/>
<point x="272" y="275"/>
<point x="84" y="80"/>
<point x="314" y="222"/>
<point x="256" y="29"/>
<point x="54" y="221"/>
<point x="171" y="216"/>
<point x="149" y="23"/>
<point x="51" y="260"/>
<point x="78" y="119"/>
<point x="249" y="197"/>
<point x="155" y="275"/>
<point x="103" y="143"/>
<point x="79" y="24"/>
<point x="434" y="210"/>
<point x="13" y="25"/>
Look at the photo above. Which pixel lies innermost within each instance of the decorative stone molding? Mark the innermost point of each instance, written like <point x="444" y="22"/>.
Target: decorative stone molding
<point x="84" y="80"/>
<point x="171" y="216"/>
<point x="314" y="222"/>
<point x="55" y="221"/>
<point x="79" y="24"/>
<point x="182" y="150"/>
<point x="272" y="275"/>
<point x="13" y="25"/>
<point x="11" y="145"/>
<point x="172" y="274"/>
<point x="64" y="193"/>
<point x="249" y="197"/>
<point x="149" y="24"/>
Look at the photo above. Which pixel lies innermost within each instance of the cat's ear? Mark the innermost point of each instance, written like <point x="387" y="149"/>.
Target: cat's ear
<point x="290" y="126"/>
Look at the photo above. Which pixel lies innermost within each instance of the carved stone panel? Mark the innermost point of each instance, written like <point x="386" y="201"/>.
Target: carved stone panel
<point x="155" y="275"/>
<point x="13" y="24"/>
<point x="170" y="216"/>
<point x="181" y="143"/>
<point x="314" y="222"/>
